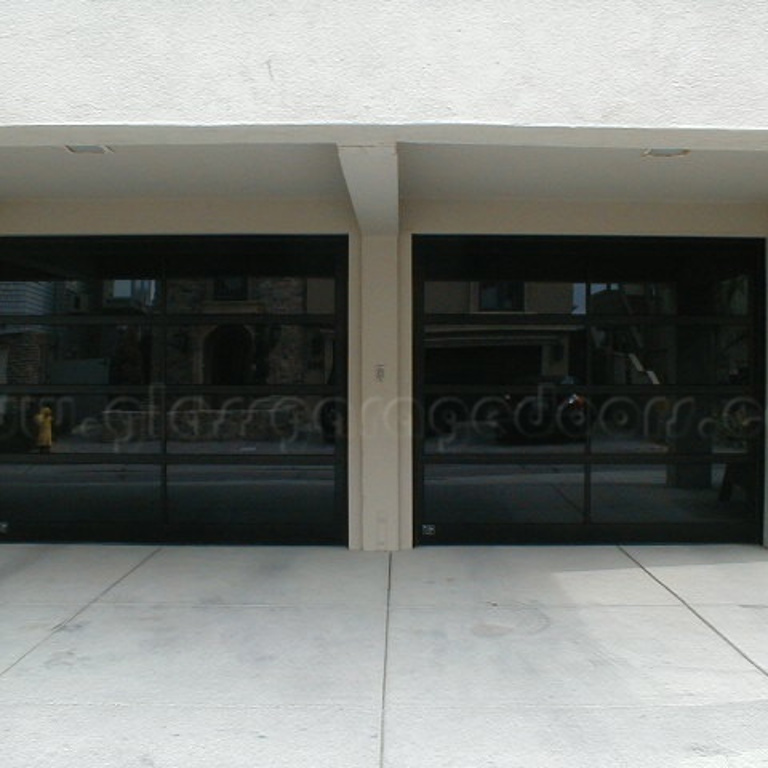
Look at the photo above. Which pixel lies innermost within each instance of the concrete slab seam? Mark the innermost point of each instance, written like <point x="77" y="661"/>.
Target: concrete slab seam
<point x="79" y="611"/>
<point x="382" y="720"/>
<point x="698" y="615"/>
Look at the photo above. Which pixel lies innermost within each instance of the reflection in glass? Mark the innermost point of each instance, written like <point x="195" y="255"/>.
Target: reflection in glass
<point x="92" y="297"/>
<point x="556" y="298"/>
<point x="251" y="354"/>
<point x="637" y="423"/>
<point x="673" y="493"/>
<point x="632" y="299"/>
<point x="537" y="421"/>
<point x="513" y="493"/>
<point x="736" y="425"/>
<point x="732" y="295"/>
<point x="250" y="294"/>
<point x="95" y="423"/>
<point x="689" y="425"/>
<point x="660" y="354"/>
<point x="251" y="425"/>
<point x="477" y="296"/>
<point x="245" y="495"/>
<point x="504" y="354"/>
<point x="98" y="493"/>
<point x="78" y="354"/>
<point x="501" y="296"/>
<point x="669" y="280"/>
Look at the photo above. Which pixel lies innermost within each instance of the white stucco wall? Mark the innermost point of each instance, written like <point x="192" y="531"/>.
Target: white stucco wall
<point x="695" y="63"/>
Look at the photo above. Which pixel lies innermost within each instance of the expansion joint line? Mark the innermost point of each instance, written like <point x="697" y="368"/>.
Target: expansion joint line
<point x="698" y="615"/>
<point x="385" y="665"/>
<point x="79" y="611"/>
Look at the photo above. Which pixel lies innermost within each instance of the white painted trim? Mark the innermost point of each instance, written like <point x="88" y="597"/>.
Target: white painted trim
<point x="369" y="134"/>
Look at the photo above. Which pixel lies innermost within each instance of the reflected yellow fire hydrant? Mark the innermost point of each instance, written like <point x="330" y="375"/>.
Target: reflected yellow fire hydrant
<point x="44" y="424"/>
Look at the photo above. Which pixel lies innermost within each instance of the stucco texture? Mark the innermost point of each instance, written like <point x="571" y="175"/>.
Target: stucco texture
<point x="671" y="63"/>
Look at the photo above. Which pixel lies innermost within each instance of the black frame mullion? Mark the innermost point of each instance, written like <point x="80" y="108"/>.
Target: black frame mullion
<point x="162" y="335"/>
<point x="247" y="318"/>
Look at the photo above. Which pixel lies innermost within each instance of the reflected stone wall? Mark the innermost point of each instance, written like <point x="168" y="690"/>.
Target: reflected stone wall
<point x="26" y="356"/>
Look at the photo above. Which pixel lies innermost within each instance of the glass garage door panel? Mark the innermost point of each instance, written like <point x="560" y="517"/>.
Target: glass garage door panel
<point x="645" y="354"/>
<point x="99" y="495"/>
<point x="684" y="494"/>
<point x="611" y="386"/>
<point x="522" y="421"/>
<point x="189" y="383"/>
<point x="674" y="277"/>
<point x="246" y="425"/>
<point x="110" y="423"/>
<point x="242" y="495"/>
<point x="251" y="354"/>
<point x="506" y="494"/>
<point x="236" y="284"/>
<point x="504" y="354"/>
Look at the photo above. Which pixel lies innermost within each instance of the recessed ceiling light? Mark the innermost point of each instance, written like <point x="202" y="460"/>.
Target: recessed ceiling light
<point x="666" y="152"/>
<point x="88" y="149"/>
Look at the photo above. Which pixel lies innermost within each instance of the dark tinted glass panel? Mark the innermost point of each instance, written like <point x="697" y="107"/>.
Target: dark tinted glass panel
<point x="537" y="421"/>
<point x="248" y="495"/>
<point x="233" y="354"/>
<point x="483" y="296"/>
<point x="501" y="296"/>
<point x="86" y="297"/>
<point x="555" y="298"/>
<point x="501" y="494"/>
<point x="633" y="299"/>
<point x="689" y="425"/>
<point x="135" y="345"/>
<point x="736" y="425"/>
<point x="629" y="354"/>
<point x="252" y="426"/>
<point x="96" y="277"/>
<point x="732" y="295"/>
<point x="230" y="256"/>
<point x="500" y="258"/>
<point x="638" y="423"/>
<point x="60" y="494"/>
<point x="96" y="355"/>
<point x="99" y="423"/>
<point x="669" y="282"/>
<point x="234" y="288"/>
<point x="247" y="293"/>
<point x="673" y="493"/>
<point x="542" y="351"/>
<point x="503" y="354"/>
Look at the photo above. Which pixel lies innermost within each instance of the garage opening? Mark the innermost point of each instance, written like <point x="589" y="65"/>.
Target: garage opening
<point x="588" y="389"/>
<point x="185" y="378"/>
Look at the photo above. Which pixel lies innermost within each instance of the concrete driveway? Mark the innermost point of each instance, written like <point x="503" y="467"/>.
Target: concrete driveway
<point x="447" y="657"/>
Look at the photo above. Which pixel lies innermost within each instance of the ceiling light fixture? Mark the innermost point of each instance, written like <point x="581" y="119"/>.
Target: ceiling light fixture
<point x="666" y="152"/>
<point x="88" y="149"/>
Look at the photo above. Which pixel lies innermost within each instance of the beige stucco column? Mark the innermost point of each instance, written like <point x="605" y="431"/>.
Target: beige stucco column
<point x="379" y="418"/>
<point x="379" y="468"/>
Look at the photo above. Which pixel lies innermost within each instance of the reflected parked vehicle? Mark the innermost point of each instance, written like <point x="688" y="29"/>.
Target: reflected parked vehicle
<point x="544" y="416"/>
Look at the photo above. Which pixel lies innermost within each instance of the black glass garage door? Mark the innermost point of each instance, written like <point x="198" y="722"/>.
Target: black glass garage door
<point x="588" y="389"/>
<point x="182" y="388"/>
